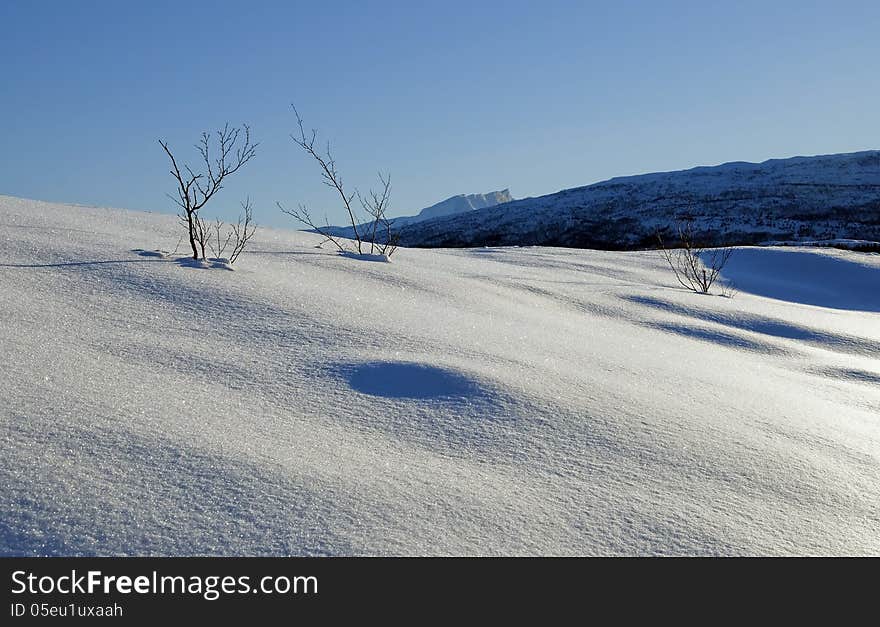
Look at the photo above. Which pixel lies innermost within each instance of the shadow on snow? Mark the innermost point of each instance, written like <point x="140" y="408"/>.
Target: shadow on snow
<point x="409" y="381"/>
<point x="805" y="277"/>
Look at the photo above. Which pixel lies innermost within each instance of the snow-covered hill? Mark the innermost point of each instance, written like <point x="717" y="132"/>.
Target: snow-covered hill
<point x="797" y="199"/>
<point x="485" y="401"/>
<point x="451" y="206"/>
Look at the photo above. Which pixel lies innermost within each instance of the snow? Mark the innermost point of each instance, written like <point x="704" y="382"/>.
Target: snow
<point x="474" y="401"/>
<point x="831" y="278"/>
<point x="462" y="203"/>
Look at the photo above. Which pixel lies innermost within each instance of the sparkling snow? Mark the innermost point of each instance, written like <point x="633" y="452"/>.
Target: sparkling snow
<point x="481" y="401"/>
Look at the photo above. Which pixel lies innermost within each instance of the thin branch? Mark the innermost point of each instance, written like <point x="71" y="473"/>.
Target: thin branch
<point x="694" y="267"/>
<point x="302" y="214"/>
<point x="195" y="189"/>
<point x="329" y="173"/>
<point x="242" y="231"/>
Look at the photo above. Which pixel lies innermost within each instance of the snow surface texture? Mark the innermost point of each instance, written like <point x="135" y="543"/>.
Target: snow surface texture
<point x="797" y="199"/>
<point x="486" y="401"/>
<point x="451" y="206"/>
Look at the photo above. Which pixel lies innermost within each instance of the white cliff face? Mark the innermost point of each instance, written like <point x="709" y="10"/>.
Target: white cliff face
<point x="461" y="203"/>
<point x="796" y="199"/>
<point x="451" y="206"/>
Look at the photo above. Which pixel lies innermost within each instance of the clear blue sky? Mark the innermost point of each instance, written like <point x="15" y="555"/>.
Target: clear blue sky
<point x="449" y="97"/>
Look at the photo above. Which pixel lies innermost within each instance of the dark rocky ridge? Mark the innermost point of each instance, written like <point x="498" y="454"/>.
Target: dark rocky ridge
<point x="796" y="199"/>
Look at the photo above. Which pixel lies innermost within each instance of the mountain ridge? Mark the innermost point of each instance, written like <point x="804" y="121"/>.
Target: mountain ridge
<point x="737" y="202"/>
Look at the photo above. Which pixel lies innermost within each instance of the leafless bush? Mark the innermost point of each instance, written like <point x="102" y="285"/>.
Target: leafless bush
<point x="375" y="205"/>
<point x="238" y="235"/>
<point x="378" y="230"/>
<point x="696" y="268"/>
<point x="200" y="232"/>
<point x="242" y="231"/>
<point x="194" y="190"/>
<point x="219" y="240"/>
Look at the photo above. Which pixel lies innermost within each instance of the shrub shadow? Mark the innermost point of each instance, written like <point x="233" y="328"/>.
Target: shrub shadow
<point x="148" y="253"/>
<point x="203" y="264"/>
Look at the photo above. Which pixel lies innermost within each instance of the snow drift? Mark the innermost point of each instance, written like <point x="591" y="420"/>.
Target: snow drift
<point x="486" y="401"/>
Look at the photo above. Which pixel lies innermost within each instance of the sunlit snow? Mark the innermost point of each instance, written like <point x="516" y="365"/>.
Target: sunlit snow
<point x="475" y="401"/>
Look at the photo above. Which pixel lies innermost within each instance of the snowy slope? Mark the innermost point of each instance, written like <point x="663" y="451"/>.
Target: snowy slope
<point x="802" y="198"/>
<point x="486" y="401"/>
<point x="451" y="206"/>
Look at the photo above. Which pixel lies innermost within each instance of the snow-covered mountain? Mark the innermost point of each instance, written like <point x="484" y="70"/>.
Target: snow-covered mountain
<point x="796" y="199"/>
<point x="451" y="206"/>
<point x="462" y="203"/>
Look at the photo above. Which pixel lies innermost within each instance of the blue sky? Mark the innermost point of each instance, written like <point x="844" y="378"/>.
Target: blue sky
<point x="449" y="97"/>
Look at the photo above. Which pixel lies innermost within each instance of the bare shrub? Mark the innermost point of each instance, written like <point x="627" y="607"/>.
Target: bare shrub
<point x="238" y="235"/>
<point x="219" y="239"/>
<point x="194" y="190"/>
<point x="377" y="230"/>
<point x="242" y="231"/>
<point x="696" y="268"/>
<point x="200" y="232"/>
<point x="375" y="205"/>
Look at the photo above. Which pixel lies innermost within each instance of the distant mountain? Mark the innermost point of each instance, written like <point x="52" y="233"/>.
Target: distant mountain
<point x="451" y="206"/>
<point x="462" y="203"/>
<point x="796" y="199"/>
